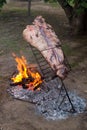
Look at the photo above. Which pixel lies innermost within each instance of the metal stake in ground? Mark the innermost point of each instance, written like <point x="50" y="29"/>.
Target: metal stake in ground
<point x="63" y="86"/>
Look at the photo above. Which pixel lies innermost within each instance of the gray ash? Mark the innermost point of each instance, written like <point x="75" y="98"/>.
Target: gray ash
<point x="50" y="101"/>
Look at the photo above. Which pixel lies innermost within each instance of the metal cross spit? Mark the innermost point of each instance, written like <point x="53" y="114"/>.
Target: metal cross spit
<point x="48" y="74"/>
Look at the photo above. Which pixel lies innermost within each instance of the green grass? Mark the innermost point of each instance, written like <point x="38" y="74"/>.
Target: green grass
<point x="55" y="4"/>
<point x="67" y="49"/>
<point x="74" y="64"/>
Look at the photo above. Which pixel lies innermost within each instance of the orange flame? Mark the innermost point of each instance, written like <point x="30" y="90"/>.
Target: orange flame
<point x="25" y="73"/>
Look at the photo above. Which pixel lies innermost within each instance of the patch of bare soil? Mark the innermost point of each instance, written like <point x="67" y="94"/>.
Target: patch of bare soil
<point x="19" y="115"/>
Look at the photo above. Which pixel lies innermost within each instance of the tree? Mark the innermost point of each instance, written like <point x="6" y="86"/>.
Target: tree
<point x="2" y="2"/>
<point x="76" y="12"/>
<point x="29" y="7"/>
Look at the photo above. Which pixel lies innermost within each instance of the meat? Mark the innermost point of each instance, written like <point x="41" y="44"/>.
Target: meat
<point x="42" y="36"/>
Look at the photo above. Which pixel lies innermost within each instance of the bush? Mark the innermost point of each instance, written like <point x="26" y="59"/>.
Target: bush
<point x="2" y="2"/>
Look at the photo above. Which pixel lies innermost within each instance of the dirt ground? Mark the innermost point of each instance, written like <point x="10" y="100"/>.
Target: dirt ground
<point x="20" y="115"/>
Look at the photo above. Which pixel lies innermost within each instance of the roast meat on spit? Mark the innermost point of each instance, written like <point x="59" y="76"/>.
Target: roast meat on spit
<point x="42" y="36"/>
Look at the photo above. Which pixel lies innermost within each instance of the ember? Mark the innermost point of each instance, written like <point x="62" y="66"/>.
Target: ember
<point x="27" y="77"/>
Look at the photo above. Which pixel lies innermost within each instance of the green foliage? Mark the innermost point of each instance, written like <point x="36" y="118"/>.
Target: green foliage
<point x="71" y="2"/>
<point x="79" y="5"/>
<point x="84" y="4"/>
<point x="2" y="2"/>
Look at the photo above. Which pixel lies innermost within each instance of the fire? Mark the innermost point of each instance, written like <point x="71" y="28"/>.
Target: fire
<point x="26" y="76"/>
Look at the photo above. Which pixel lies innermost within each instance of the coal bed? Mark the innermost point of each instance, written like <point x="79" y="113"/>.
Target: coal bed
<point x="51" y="101"/>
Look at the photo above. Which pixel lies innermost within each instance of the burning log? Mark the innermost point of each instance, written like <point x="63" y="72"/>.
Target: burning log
<point x="15" y="84"/>
<point x="27" y="76"/>
<point x="23" y="81"/>
<point x="41" y="36"/>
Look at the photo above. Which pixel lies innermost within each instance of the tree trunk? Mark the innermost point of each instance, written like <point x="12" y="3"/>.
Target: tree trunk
<point x="29" y="7"/>
<point x="78" y="22"/>
<point x="67" y="8"/>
